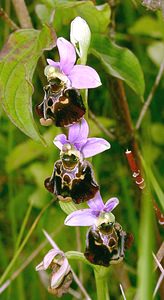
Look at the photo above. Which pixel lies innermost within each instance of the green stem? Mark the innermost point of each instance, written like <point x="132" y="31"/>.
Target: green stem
<point x="75" y="255"/>
<point x="85" y="99"/>
<point x="11" y="264"/>
<point x="102" y="287"/>
<point x="101" y="274"/>
<point x="79" y="248"/>
<point x="84" y="93"/>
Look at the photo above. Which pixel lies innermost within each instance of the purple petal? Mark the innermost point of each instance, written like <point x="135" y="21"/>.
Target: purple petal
<point x="96" y="204"/>
<point x="84" y="77"/>
<point x="53" y="63"/>
<point x="67" y="55"/>
<point x="49" y="257"/>
<point x="82" y="217"/>
<point x="94" y="146"/>
<point x="60" y="140"/>
<point x="58" y="276"/>
<point x="111" y="204"/>
<point x="78" y="133"/>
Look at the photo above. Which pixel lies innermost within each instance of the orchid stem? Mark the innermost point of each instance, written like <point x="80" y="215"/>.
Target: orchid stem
<point x="84" y="94"/>
<point x="78" y="238"/>
<point x="102" y="287"/>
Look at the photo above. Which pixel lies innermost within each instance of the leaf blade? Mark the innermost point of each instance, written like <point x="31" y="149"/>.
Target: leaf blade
<point x="18" y="60"/>
<point x="66" y="11"/>
<point x="118" y="62"/>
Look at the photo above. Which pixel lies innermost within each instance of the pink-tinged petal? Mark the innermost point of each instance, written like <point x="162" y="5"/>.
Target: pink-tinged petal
<point x="49" y="257"/>
<point x="67" y="55"/>
<point x="96" y="204"/>
<point x="53" y="63"/>
<point x="94" y="146"/>
<point x="84" y="77"/>
<point x="111" y="204"/>
<point x="78" y="133"/>
<point x="39" y="267"/>
<point x="82" y="217"/>
<point x="58" y="276"/>
<point x="60" y="140"/>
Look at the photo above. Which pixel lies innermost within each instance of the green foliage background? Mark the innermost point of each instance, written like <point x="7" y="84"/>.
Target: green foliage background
<point x="27" y="159"/>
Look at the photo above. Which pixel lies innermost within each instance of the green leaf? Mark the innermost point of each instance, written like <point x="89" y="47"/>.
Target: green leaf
<point x="95" y="130"/>
<point x="31" y="150"/>
<point x="157" y="132"/>
<point x="43" y="13"/>
<point x="18" y="60"/>
<point x="146" y="26"/>
<point x="39" y="199"/>
<point x="159" y="192"/>
<point x="118" y="62"/>
<point x="40" y="172"/>
<point x="155" y="52"/>
<point x="66" y="11"/>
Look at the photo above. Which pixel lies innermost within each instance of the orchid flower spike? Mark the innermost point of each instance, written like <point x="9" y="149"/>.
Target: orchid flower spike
<point x="80" y="37"/>
<point x="97" y="213"/>
<point x="75" y="76"/>
<point x="79" y="142"/>
<point x="61" y="276"/>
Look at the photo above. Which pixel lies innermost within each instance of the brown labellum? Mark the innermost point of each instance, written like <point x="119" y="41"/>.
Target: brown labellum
<point x="63" y="106"/>
<point x="77" y="184"/>
<point x="106" y="247"/>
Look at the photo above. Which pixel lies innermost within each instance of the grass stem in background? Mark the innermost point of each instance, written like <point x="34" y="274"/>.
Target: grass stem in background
<point x="14" y="259"/>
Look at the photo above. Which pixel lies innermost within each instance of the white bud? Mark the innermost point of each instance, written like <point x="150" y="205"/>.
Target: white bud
<point x="80" y="37"/>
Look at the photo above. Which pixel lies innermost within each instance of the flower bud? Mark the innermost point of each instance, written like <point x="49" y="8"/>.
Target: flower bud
<point x="61" y="274"/>
<point x="80" y="36"/>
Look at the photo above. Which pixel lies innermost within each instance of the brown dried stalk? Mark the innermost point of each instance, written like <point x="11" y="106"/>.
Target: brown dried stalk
<point x="139" y="180"/>
<point x="7" y="19"/>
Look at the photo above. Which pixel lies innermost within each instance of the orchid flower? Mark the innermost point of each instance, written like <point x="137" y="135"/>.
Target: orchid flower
<point x="61" y="276"/>
<point x="75" y="76"/>
<point x="78" y="138"/>
<point x="93" y="215"/>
